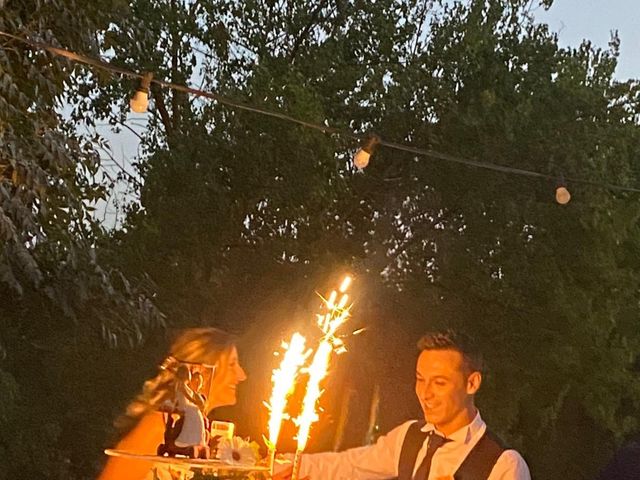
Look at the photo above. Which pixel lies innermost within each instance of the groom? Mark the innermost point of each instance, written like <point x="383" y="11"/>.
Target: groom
<point x="452" y="442"/>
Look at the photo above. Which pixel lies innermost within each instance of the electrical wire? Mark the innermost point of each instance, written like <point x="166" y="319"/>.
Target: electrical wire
<point x="79" y="58"/>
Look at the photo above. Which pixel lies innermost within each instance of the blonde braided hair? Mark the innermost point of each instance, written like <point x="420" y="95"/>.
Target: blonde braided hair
<point x="203" y="345"/>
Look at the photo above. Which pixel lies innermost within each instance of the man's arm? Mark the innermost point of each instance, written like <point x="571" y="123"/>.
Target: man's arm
<point x="510" y="466"/>
<point x="378" y="461"/>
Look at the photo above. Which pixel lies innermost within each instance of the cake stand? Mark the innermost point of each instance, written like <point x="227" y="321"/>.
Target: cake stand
<point x="208" y="465"/>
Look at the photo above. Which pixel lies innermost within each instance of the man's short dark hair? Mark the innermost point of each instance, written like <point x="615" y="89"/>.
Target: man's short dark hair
<point x="451" y="340"/>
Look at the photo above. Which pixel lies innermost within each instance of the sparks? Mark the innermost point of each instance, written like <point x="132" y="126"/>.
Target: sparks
<point x="345" y="284"/>
<point x="317" y="371"/>
<point x="283" y="380"/>
<point x="329" y="324"/>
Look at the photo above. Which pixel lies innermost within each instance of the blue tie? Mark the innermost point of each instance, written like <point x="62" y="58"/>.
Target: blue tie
<point x="435" y="442"/>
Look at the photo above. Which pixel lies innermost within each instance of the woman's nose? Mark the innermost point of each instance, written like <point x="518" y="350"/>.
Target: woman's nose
<point x="242" y="376"/>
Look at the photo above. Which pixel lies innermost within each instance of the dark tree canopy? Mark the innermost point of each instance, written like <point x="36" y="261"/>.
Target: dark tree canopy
<point x="240" y="216"/>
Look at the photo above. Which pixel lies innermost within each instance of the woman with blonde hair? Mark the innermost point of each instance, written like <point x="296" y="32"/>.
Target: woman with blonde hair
<point x="143" y="421"/>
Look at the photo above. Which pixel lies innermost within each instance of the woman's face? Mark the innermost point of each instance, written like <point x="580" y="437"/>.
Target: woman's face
<point x="228" y="375"/>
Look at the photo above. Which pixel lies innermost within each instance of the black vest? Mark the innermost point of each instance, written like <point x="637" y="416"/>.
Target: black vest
<point x="476" y="466"/>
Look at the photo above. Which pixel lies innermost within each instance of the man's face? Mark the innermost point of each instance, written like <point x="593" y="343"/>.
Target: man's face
<point x="445" y="390"/>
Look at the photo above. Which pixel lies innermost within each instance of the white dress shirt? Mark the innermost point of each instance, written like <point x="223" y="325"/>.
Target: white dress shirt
<point x="380" y="461"/>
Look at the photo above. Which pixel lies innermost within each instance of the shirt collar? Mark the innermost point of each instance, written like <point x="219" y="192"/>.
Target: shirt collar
<point x="463" y="435"/>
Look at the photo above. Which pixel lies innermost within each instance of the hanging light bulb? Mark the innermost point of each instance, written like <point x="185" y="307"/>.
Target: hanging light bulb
<point x="140" y="100"/>
<point x="362" y="156"/>
<point x="563" y="196"/>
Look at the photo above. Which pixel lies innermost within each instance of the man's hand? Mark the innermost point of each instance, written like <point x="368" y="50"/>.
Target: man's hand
<point x="284" y="474"/>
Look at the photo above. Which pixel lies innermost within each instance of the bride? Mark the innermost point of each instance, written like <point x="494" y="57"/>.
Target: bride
<point x="143" y="423"/>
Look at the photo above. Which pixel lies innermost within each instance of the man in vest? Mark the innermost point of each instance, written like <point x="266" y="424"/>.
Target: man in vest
<point x="451" y="443"/>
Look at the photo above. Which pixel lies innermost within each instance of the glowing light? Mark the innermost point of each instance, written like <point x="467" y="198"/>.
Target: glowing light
<point x="343" y="301"/>
<point x="140" y="100"/>
<point x="332" y="300"/>
<point x="562" y="195"/>
<point x="329" y="323"/>
<point x="317" y="371"/>
<point x="345" y="284"/>
<point x="363" y="155"/>
<point x="361" y="158"/>
<point x="283" y="380"/>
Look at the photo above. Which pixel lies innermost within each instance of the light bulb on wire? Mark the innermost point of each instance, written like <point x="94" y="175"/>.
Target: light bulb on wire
<point x="140" y="100"/>
<point x="363" y="155"/>
<point x="563" y="196"/>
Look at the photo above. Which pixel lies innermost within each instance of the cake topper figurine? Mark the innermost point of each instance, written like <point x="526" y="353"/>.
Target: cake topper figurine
<point x="186" y="431"/>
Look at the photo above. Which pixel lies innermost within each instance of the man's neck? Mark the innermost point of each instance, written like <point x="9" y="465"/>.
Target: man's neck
<point x="465" y="418"/>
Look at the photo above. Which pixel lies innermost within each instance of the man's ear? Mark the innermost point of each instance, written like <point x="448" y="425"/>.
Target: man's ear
<point x="473" y="382"/>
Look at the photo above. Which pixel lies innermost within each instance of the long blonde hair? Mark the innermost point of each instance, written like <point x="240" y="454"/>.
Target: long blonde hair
<point x="204" y="345"/>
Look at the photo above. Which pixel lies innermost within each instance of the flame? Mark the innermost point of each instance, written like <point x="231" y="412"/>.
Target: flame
<point x="317" y="371"/>
<point x="332" y="300"/>
<point x="283" y="380"/>
<point x="329" y="324"/>
<point x="345" y="284"/>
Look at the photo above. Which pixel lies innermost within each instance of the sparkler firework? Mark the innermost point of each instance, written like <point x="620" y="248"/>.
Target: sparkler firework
<point x="336" y="313"/>
<point x="283" y="383"/>
<point x="329" y="324"/>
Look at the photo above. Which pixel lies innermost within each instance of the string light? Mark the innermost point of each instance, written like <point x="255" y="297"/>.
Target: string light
<point x="323" y="128"/>
<point x="140" y="100"/>
<point x="563" y="196"/>
<point x="363" y="155"/>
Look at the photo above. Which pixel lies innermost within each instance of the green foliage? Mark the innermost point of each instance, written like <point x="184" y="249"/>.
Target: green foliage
<point x="57" y="289"/>
<point x="241" y="215"/>
<point x="50" y="180"/>
<point x="551" y="291"/>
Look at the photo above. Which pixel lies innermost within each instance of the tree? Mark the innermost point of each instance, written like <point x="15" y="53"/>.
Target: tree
<point x="59" y="294"/>
<point x="551" y="290"/>
<point x="237" y="208"/>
